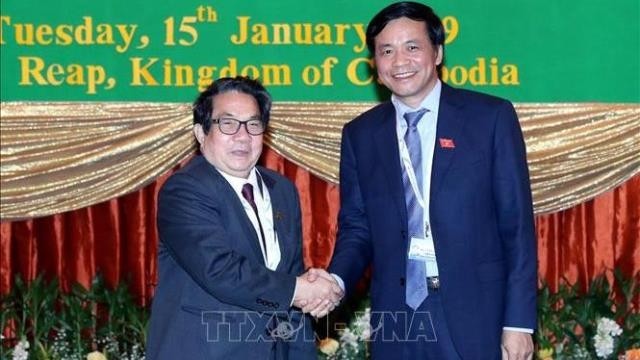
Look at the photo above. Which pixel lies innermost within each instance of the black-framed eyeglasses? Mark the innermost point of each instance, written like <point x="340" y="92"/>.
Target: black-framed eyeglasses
<point x="230" y="126"/>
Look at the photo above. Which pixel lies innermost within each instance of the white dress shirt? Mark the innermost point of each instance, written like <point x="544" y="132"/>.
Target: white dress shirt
<point x="263" y="202"/>
<point x="427" y="129"/>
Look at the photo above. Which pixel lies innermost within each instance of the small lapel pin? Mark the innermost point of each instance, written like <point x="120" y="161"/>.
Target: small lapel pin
<point x="279" y="215"/>
<point x="447" y="143"/>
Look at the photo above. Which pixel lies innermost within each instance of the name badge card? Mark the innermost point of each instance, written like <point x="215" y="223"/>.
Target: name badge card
<point x="421" y="249"/>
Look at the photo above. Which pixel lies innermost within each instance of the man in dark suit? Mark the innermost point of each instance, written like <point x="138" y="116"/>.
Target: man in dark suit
<point x="230" y="257"/>
<point x="435" y="195"/>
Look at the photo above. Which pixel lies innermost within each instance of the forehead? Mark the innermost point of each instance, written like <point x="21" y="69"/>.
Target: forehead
<point x="235" y="103"/>
<point x="402" y="30"/>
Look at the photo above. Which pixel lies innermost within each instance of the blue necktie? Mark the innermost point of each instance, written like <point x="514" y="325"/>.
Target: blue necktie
<point x="416" y="290"/>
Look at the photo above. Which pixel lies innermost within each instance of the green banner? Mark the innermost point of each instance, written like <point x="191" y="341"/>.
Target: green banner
<point x="527" y="51"/>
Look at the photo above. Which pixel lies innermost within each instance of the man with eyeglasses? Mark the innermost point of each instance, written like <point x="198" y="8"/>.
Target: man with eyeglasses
<point x="231" y="282"/>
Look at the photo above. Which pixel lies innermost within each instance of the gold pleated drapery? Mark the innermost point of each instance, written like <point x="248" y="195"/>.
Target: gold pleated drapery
<point x="59" y="156"/>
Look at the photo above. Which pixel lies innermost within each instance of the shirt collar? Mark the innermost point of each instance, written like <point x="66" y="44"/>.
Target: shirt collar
<point x="237" y="182"/>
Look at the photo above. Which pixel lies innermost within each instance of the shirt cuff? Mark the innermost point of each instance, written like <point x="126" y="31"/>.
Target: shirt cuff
<point x="295" y="289"/>
<point x="518" y="329"/>
<point x="339" y="281"/>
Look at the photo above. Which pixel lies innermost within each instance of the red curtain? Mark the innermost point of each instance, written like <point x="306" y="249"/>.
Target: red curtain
<point x="118" y="238"/>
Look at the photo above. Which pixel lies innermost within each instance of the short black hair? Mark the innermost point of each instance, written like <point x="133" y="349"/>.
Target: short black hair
<point x="203" y="105"/>
<point x="412" y="10"/>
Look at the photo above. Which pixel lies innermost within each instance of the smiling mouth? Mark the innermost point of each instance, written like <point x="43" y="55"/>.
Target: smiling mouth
<point x="403" y="75"/>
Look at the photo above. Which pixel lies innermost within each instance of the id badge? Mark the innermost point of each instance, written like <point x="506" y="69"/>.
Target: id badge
<point x="421" y="249"/>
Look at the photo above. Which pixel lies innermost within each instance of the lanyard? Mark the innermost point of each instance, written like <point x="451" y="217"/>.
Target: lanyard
<point x="408" y="167"/>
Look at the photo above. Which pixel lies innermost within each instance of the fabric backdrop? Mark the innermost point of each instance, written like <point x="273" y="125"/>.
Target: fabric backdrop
<point x="93" y="152"/>
<point x="118" y="238"/>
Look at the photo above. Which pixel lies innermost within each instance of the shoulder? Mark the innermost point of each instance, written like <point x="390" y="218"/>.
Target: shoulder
<point x="472" y="99"/>
<point x="372" y="118"/>
<point x="194" y="168"/>
<point x="196" y="174"/>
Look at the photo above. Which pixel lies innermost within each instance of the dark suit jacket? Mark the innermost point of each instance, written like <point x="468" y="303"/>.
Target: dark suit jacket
<point x="480" y="212"/>
<point x="215" y="298"/>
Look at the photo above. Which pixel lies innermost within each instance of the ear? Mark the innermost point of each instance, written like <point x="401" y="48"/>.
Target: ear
<point x="199" y="133"/>
<point x="439" y="55"/>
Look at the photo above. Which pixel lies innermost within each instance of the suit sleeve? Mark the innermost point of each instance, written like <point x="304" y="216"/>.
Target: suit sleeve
<point x="191" y="229"/>
<point x="514" y="209"/>
<point x="353" y="245"/>
<point x="303" y="345"/>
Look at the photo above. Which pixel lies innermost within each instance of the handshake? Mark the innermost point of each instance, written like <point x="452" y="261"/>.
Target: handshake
<point x="317" y="292"/>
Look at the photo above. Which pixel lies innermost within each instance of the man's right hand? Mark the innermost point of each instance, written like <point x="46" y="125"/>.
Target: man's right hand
<point x="317" y="292"/>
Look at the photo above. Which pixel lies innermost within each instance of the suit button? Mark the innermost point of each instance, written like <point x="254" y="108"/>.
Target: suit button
<point x="402" y="281"/>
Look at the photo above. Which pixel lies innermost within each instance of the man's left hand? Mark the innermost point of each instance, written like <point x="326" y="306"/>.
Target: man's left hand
<point x="516" y="345"/>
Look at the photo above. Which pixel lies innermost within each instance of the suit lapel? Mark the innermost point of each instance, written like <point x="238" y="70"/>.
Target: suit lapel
<point x="247" y="228"/>
<point x="449" y="128"/>
<point x="389" y="156"/>
<point x="278" y="204"/>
